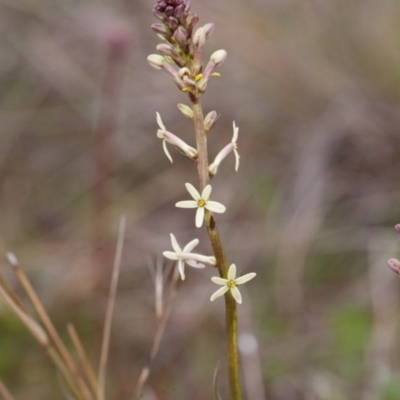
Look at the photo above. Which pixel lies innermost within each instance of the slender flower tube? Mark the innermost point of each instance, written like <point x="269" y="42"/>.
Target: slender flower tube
<point x="231" y="284"/>
<point x="201" y="202"/>
<point x="185" y="256"/>
<point x="169" y="137"/>
<point x="216" y="59"/>
<point x="232" y="146"/>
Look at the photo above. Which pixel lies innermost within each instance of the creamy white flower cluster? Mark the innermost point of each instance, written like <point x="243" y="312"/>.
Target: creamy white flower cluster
<point x="202" y="202"/>
<point x="191" y="152"/>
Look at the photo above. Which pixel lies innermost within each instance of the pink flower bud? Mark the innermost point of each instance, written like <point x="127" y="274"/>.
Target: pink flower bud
<point x="394" y="265"/>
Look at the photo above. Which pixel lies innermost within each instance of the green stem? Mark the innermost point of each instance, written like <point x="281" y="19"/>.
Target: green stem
<point x="222" y="264"/>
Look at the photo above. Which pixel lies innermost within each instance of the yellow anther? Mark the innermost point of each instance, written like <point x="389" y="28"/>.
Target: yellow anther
<point x="231" y="284"/>
<point x="186" y="89"/>
<point x="217" y="74"/>
<point x="198" y="77"/>
<point x="201" y="203"/>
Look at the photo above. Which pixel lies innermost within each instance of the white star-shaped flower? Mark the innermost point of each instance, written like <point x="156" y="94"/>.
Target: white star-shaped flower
<point x="169" y="137"/>
<point x="185" y="256"/>
<point x="231" y="284"/>
<point x="201" y="202"/>
<point x="232" y="146"/>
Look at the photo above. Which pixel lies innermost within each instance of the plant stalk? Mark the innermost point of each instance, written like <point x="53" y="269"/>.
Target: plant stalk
<point x="222" y="264"/>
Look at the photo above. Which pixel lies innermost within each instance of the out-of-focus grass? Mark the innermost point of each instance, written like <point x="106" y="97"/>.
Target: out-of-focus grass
<point x="314" y="88"/>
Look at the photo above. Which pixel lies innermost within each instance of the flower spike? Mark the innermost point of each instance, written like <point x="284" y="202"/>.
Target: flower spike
<point x="185" y="256"/>
<point x="201" y="202"/>
<point x="231" y="284"/>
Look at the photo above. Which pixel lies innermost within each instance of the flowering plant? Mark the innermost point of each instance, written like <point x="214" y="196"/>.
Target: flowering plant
<point x="179" y="55"/>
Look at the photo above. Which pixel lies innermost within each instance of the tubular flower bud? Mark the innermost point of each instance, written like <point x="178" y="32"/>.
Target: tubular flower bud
<point x="169" y="137"/>
<point x="232" y="146"/>
<point x="199" y="38"/>
<point x="156" y="61"/>
<point x="185" y="110"/>
<point x="210" y="120"/>
<point x="218" y="57"/>
<point x="208" y="29"/>
<point x="161" y="29"/>
<point x="168" y="51"/>
<point x="181" y="36"/>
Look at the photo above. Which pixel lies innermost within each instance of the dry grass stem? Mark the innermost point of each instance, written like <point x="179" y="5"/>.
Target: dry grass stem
<point x="51" y="330"/>
<point x="158" y="335"/>
<point x="83" y="359"/>
<point x="110" y="309"/>
<point x="33" y="327"/>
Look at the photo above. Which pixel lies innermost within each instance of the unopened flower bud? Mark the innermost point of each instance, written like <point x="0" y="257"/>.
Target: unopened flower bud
<point x="191" y="21"/>
<point x="161" y="29"/>
<point x="169" y="11"/>
<point x="181" y="35"/>
<point x="208" y="29"/>
<point x="156" y="61"/>
<point x="171" y="54"/>
<point x="394" y="265"/>
<point x="199" y="38"/>
<point x="172" y="23"/>
<point x="218" y="57"/>
<point x="158" y="14"/>
<point x="186" y="110"/>
<point x="164" y="48"/>
<point x="180" y="11"/>
<point x="397" y="228"/>
<point x="187" y="4"/>
<point x="210" y="120"/>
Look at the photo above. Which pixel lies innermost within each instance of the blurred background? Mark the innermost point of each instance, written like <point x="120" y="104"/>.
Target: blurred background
<point x="314" y="86"/>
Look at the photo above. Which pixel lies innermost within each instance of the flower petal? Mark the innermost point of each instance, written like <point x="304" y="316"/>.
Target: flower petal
<point x="159" y="122"/>
<point x="171" y="255"/>
<point x="164" y="143"/>
<point x="190" y="246"/>
<point x="199" y="217"/>
<point x="187" y="204"/>
<point x="181" y="267"/>
<point x="205" y="195"/>
<point x="219" y="281"/>
<point x="192" y="190"/>
<point x="237" y="157"/>
<point x="175" y="244"/>
<point x="235" y="133"/>
<point x="195" y="264"/>
<point x="232" y="272"/>
<point x="214" y="206"/>
<point x="161" y="134"/>
<point x="236" y="294"/>
<point x="245" y="278"/>
<point x="220" y="292"/>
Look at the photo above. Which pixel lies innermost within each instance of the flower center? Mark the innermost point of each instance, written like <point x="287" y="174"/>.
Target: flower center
<point x="201" y="203"/>
<point x="231" y="283"/>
